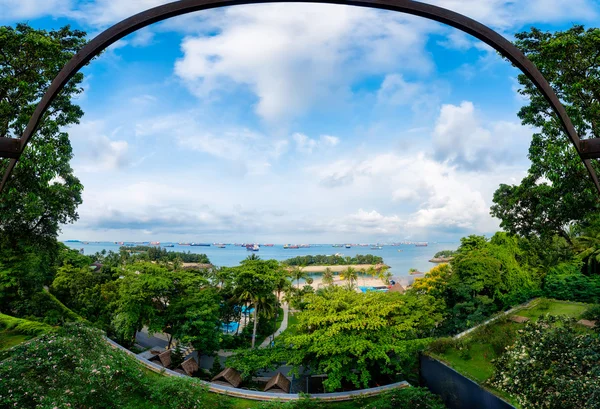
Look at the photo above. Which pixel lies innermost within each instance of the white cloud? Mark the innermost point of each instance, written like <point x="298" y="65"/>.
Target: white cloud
<point x="28" y="9"/>
<point x="305" y="144"/>
<point x="297" y="56"/>
<point x="461" y="137"/>
<point x="97" y="151"/>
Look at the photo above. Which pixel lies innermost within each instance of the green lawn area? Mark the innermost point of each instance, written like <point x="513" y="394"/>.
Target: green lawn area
<point x="292" y="323"/>
<point x="9" y="339"/>
<point x="484" y="343"/>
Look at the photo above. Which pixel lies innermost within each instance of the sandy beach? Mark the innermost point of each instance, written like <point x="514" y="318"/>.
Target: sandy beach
<point x="338" y="268"/>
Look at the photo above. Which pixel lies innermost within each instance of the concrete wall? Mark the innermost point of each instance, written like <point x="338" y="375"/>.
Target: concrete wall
<point x="456" y="390"/>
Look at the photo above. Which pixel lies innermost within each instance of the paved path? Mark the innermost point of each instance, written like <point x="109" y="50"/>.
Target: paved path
<point x="282" y="328"/>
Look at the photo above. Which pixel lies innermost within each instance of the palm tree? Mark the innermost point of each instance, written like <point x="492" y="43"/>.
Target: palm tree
<point x="350" y="274"/>
<point x="588" y="250"/>
<point x="328" y="277"/>
<point x="254" y="298"/>
<point x="298" y="273"/>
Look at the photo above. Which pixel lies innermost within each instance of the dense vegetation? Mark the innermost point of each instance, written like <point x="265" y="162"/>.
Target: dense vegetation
<point x="552" y="365"/>
<point x="153" y="253"/>
<point x="444" y="254"/>
<point x="333" y="260"/>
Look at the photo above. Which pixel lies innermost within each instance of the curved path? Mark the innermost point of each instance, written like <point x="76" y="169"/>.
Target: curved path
<point x="282" y="328"/>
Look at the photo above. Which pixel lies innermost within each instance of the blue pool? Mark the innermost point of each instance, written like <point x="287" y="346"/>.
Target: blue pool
<point x="365" y="289"/>
<point x="229" y="328"/>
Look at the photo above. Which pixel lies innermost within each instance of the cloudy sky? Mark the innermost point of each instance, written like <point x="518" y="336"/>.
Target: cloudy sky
<point x="296" y="122"/>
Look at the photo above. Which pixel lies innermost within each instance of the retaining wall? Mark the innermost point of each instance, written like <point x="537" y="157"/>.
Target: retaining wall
<point x="456" y="390"/>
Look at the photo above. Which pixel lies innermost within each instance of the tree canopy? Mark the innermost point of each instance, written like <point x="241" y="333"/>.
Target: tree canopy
<point x="557" y="190"/>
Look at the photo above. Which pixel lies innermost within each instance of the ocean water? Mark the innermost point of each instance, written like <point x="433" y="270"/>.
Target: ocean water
<point x="399" y="262"/>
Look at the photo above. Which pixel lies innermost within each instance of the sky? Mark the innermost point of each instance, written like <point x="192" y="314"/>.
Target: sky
<point x="296" y="123"/>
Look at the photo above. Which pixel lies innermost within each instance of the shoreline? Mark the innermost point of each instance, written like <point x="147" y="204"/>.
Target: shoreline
<point x="339" y="267"/>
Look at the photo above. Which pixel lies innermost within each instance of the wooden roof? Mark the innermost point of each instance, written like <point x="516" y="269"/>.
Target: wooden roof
<point x="165" y="358"/>
<point x="519" y="319"/>
<point x="230" y="375"/>
<point x="278" y="383"/>
<point x="396" y="288"/>
<point x="587" y="323"/>
<point x="190" y="366"/>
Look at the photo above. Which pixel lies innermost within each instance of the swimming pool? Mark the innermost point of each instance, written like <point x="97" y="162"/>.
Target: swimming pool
<point x="364" y="289"/>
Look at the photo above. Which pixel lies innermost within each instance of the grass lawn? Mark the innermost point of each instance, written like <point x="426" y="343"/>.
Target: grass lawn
<point x="292" y="323"/>
<point x="477" y="364"/>
<point x="9" y="339"/>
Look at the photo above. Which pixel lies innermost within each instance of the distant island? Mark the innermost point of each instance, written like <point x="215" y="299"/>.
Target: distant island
<point x="443" y="256"/>
<point x="333" y="260"/>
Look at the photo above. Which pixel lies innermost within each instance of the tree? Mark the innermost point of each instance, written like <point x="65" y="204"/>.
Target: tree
<point x="298" y="273"/>
<point x="350" y="275"/>
<point x="254" y="281"/>
<point x="42" y="192"/>
<point x="552" y="365"/>
<point x="557" y="190"/>
<point x="328" y="277"/>
<point x="178" y="303"/>
<point x="355" y="337"/>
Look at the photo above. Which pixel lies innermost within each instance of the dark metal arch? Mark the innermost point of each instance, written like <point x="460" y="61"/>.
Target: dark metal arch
<point x="586" y="149"/>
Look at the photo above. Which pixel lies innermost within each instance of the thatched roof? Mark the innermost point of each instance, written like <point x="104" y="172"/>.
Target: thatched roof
<point x="279" y="384"/>
<point x="165" y="358"/>
<point x="587" y="323"/>
<point x="396" y="288"/>
<point x="190" y="366"/>
<point x="518" y="319"/>
<point x="229" y="375"/>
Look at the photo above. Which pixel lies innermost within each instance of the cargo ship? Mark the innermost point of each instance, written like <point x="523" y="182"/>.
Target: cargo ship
<point x="252" y="247"/>
<point x="267" y="245"/>
<point x="200" y="244"/>
<point x="290" y="246"/>
<point x="424" y="244"/>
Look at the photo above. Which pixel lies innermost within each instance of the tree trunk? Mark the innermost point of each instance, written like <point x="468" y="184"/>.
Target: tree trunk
<point x="170" y="339"/>
<point x="255" y="324"/>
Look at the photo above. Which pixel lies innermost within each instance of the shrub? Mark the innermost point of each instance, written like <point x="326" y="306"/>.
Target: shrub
<point x="566" y="282"/>
<point x="22" y="326"/>
<point x="406" y="398"/>
<point x="551" y="365"/>
<point x="75" y="367"/>
<point x="593" y="314"/>
<point x="441" y="345"/>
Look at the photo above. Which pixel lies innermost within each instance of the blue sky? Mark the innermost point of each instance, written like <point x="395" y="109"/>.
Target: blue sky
<point x="296" y="122"/>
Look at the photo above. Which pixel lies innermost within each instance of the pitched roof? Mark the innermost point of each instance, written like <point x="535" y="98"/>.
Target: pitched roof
<point x="230" y="375"/>
<point x="587" y="323"/>
<point x="278" y="383"/>
<point x="165" y="358"/>
<point x="396" y="288"/>
<point x="190" y="366"/>
<point x="519" y="319"/>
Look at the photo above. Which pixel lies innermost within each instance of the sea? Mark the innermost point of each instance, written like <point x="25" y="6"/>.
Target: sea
<point x="400" y="258"/>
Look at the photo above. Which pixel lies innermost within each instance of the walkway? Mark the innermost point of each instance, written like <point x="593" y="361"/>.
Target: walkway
<point x="282" y="328"/>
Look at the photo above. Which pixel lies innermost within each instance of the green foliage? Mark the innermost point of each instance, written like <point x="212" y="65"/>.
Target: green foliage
<point x="333" y="260"/>
<point x="43" y="306"/>
<point x="444" y="254"/>
<point x="21" y="326"/>
<point x="441" y="345"/>
<point x="552" y="365"/>
<point x="75" y="367"/>
<point x="248" y="362"/>
<point x="593" y="314"/>
<point x="406" y="398"/>
<point x="176" y="356"/>
<point x="29" y="61"/>
<point x="354" y="337"/>
<point x="179" y="303"/>
<point x="557" y="190"/>
<point x="153" y="253"/>
<point x="566" y="282"/>
<point x="216" y="367"/>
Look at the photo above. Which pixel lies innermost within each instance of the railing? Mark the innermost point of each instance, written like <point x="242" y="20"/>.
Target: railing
<point x="257" y="395"/>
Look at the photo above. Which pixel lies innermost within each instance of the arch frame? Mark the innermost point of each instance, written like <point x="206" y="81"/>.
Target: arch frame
<point x="585" y="148"/>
